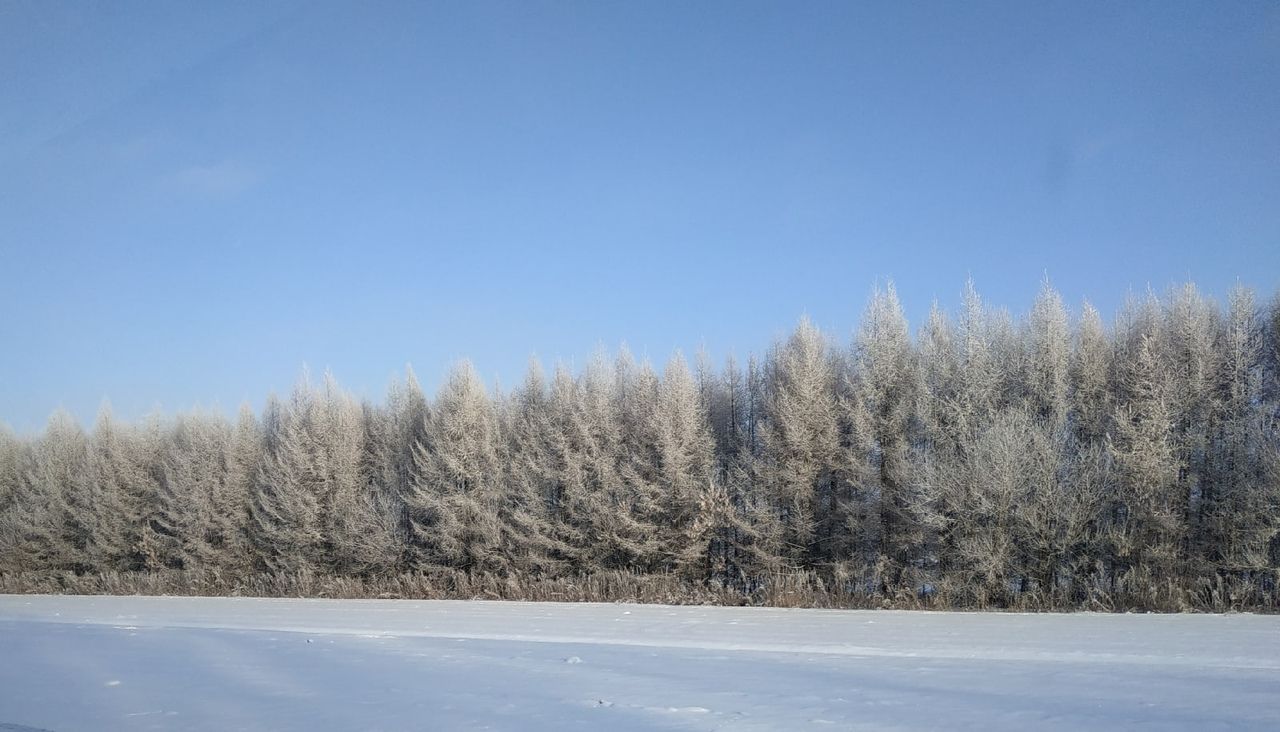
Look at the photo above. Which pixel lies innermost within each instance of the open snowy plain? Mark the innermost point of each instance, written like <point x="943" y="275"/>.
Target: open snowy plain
<point x="125" y="663"/>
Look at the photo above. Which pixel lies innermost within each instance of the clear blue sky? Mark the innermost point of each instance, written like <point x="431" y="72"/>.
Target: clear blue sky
<point x="197" y="198"/>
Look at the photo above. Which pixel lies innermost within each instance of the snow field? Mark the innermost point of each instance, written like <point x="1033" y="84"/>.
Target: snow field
<point x="125" y="663"/>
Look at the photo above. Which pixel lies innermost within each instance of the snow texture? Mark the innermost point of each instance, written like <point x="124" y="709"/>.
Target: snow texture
<point x="133" y="663"/>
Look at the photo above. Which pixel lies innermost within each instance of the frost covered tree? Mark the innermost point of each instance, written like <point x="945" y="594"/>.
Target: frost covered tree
<point x="1190" y="355"/>
<point x="978" y="376"/>
<point x="749" y="527"/>
<point x="1048" y="358"/>
<point x="454" y="502"/>
<point x="313" y="508"/>
<point x="1091" y="391"/>
<point x="799" y="442"/>
<point x="22" y="516"/>
<point x="196" y="512"/>
<point x="125" y="466"/>
<point x="686" y="470"/>
<point x="985" y="461"/>
<point x="879" y="408"/>
<point x="1148" y="522"/>
<point x="637" y="498"/>
<point x="1271" y="356"/>
<point x="527" y="456"/>
<point x="572" y="493"/>
<point x="358" y="521"/>
<point x="244" y="461"/>
<point x="60" y="475"/>
<point x="994" y="480"/>
<point x="963" y="386"/>
<point x="1241" y="505"/>
<point x="284" y="509"/>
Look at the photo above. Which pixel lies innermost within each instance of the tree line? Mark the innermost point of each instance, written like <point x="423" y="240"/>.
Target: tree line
<point x="987" y="461"/>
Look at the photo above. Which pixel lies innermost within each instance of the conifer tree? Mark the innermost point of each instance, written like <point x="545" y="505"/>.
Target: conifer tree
<point x="986" y="461"/>
<point x="21" y="518"/>
<point x="1049" y="358"/>
<point x="285" y="521"/>
<point x="1148" y="522"/>
<point x="799" y="440"/>
<point x="1091" y="374"/>
<point x="454" y="502"/>
<point x="686" y="470"/>
<point x="194" y="520"/>
<point x="529" y="495"/>
<point x="880" y="410"/>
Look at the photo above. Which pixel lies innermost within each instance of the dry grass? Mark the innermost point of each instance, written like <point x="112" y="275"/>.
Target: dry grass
<point x="795" y="589"/>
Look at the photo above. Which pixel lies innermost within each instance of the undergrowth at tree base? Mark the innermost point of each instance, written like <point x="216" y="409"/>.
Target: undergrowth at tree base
<point x="805" y="589"/>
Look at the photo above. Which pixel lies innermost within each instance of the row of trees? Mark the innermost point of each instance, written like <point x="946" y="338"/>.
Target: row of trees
<point x="986" y="461"/>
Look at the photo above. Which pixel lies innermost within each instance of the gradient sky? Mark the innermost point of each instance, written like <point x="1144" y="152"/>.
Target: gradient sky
<point x="197" y="198"/>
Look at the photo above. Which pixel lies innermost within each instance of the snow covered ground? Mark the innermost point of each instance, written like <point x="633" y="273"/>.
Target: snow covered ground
<point x="106" y="663"/>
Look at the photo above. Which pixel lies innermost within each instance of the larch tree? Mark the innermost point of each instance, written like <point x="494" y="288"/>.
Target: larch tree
<point x="196" y="511"/>
<point x="1057" y="515"/>
<point x="570" y="491"/>
<point x="638" y="497"/>
<point x="60" y="475"/>
<point x="285" y="521"/>
<point x="526" y="455"/>
<point x="1049" y="358"/>
<point x="936" y="457"/>
<point x="1091" y="372"/>
<point x="986" y="461"/>
<point x="124" y="483"/>
<point x="586" y="487"/>
<point x="978" y="376"/>
<point x="994" y="479"/>
<point x="964" y="390"/>
<point x="879" y="410"/>
<point x="33" y="529"/>
<point x="358" y="521"/>
<point x="799" y="441"/>
<point x="1271" y="356"/>
<point x="454" y="502"/>
<point x="1190" y="356"/>
<point x="244" y="461"/>
<point x="407" y="413"/>
<point x="20" y="507"/>
<point x="754" y="533"/>
<point x="686" y="470"/>
<point x="1148" y="522"/>
<point x="1242" y="511"/>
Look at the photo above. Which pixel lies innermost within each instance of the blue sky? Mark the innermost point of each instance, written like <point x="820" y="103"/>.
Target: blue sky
<point x="197" y="198"/>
